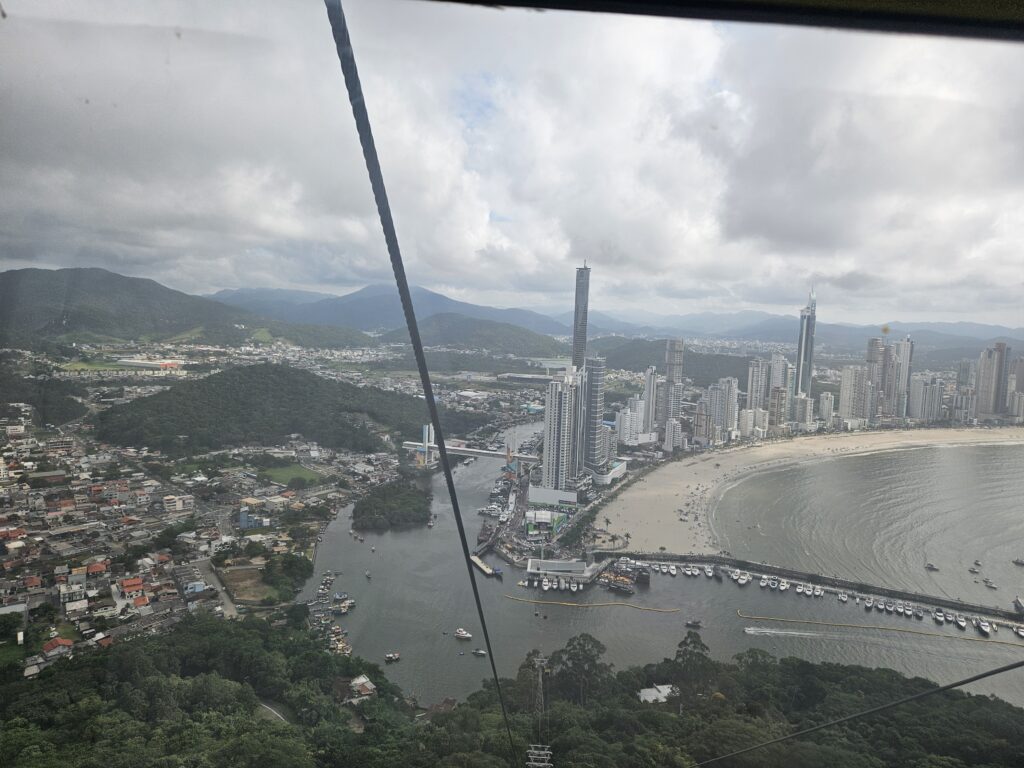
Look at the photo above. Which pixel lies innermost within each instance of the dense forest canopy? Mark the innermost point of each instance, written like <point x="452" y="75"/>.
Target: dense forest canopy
<point x="393" y="504"/>
<point x="262" y="404"/>
<point x="704" y="368"/>
<point x="54" y="400"/>
<point x="191" y="697"/>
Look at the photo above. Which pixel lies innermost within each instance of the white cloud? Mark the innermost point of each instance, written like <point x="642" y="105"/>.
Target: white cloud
<point x="694" y="165"/>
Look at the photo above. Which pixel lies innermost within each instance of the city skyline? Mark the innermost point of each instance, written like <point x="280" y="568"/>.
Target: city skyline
<point x="737" y="179"/>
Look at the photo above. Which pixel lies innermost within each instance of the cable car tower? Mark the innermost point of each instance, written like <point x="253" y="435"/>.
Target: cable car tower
<point x="539" y="755"/>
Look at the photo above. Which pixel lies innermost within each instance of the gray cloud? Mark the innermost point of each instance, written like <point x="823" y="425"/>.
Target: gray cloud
<point x="696" y="166"/>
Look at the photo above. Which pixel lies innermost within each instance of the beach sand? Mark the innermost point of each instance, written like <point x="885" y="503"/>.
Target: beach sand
<point x="668" y="509"/>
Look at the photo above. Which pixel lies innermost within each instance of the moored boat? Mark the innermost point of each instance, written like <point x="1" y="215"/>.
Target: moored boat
<point x="783" y="585"/>
<point x="983" y="628"/>
<point x="709" y="571"/>
<point x="671" y="570"/>
<point x="961" y="621"/>
<point x="462" y="634"/>
<point x="545" y="584"/>
<point x="843" y="597"/>
<point x="479" y="652"/>
<point x="391" y="658"/>
<point x="869" y="603"/>
<point x="764" y="582"/>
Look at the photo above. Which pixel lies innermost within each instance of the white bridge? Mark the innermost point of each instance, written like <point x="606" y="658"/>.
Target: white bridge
<point x="426" y="450"/>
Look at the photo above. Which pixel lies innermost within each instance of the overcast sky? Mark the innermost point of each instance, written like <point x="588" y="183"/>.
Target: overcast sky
<point x="695" y="166"/>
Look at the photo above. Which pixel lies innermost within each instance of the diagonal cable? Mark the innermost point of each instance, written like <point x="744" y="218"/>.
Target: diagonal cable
<point x="866" y="712"/>
<point x="346" y="57"/>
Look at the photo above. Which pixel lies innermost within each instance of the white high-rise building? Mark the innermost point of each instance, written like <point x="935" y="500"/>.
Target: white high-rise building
<point x="854" y="392"/>
<point x="595" y="454"/>
<point x="745" y="422"/>
<point x="673" y="436"/>
<point x="778" y="370"/>
<point x="759" y="373"/>
<point x="723" y="404"/>
<point x="560" y="430"/>
<point x="925" y="400"/>
<point x="761" y="419"/>
<point x="903" y="355"/>
<point x="805" y="348"/>
<point x="803" y="410"/>
<point x="826" y="407"/>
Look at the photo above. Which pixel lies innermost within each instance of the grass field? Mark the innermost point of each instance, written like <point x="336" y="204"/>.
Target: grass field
<point x="247" y="585"/>
<point x="284" y="474"/>
<point x="11" y="652"/>
<point x="263" y="335"/>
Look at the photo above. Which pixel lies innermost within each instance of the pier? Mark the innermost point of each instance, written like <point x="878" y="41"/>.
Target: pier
<point x="484" y="567"/>
<point x="830" y="583"/>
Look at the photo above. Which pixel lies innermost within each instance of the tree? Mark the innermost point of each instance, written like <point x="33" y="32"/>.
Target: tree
<point x="578" y="670"/>
<point x="10" y="623"/>
<point x="695" y="665"/>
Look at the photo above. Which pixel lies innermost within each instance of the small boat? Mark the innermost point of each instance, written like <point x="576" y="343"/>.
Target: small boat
<point x="743" y="580"/>
<point x="430" y="524"/>
<point x="735" y="575"/>
<point x="361" y="539"/>
<point x="783" y="585"/>
<point x="818" y="591"/>
<point x="949" y="617"/>
<point x="843" y="597"/>
<point x="880" y="605"/>
<point x="919" y="614"/>
<point x="764" y="582"/>
<point x="890" y="606"/>
<point x="931" y="567"/>
<point x="1018" y="561"/>
<point x="939" y="618"/>
<point x="373" y="548"/>
<point x="368" y="575"/>
<point x="545" y="584"/>
<point x="664" y="568"/>
<point x="536" y="583"/>
<point x="978" y="563"/>
<point x="899" y="608"/>
<point x="869" y="603"/>
<point x="799" y="589"/>
<point x="973" y="570"/>
<point x="461" y="634"/>
<point x="573" y="586"/>
<point x="709" y="571"/>
<point x="391" y="658"/>
<point x="984" y="627"/>
<point x="1018" y="604"/>
<point x="479" y="652"/>
<point x="773" y="584"/>
<point x="990" y="585"/>
<point x="522" y="583"/>
<point x="671" y="570"/>
<point x="694" y="624"/>
<point x="1019" y="631"/>
<point x="319" y="538"/>
<point x="961" y="622"/>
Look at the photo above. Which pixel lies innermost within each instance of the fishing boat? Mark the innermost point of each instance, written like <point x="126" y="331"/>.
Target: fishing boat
<point x="461" y="634"/>
<point x="879" y="605"/>
<point x="990" y="585"/>
<point x="808" y="590"/>
<point x="391" y="658"/>
<point x="479" y="652"/>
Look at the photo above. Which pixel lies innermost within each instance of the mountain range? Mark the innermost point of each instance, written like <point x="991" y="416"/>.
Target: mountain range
<point x="88" y="304"/>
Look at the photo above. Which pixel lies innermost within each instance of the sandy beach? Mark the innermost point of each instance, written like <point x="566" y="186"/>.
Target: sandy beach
<point x="668" y="509"/>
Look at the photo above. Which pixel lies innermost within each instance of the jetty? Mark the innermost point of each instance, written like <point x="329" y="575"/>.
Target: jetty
<point x="829" y="583"/>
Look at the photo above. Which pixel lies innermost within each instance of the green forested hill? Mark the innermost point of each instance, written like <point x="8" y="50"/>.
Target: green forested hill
<point x="460" y="331"/>
<point x="262" y="404"/>
<point x="190" y="697"/>
<point x="93" y="305"/>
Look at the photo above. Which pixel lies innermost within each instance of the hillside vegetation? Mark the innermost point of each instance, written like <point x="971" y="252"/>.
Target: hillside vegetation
<point x="191" y="697"/>
<point x="262" y="404"/>
<point x="400" y="503"/>
<point x="94" y="305"/>
<point x="454" y="330"/>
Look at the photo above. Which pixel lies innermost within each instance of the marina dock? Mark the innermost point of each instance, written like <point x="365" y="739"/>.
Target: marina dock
<point x="829" y="583"/>
<point x="484" y="567"/>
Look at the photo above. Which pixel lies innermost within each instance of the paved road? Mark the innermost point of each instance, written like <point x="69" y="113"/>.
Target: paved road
<point x="210" y="576"/>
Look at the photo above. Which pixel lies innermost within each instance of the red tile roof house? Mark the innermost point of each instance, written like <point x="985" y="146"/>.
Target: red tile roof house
<point x="131" y="587"/>
<point x="58" y="646"/>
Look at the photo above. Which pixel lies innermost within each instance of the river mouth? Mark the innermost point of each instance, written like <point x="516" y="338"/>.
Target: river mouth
<point x="420" y="594"/>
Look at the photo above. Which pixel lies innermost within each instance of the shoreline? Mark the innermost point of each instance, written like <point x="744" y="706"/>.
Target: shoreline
<point x="672" y="508"/>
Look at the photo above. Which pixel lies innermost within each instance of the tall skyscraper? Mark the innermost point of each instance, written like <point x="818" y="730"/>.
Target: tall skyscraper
<point x="674" y="361"/>
<point x="650" y="399"/>
<point x="595" y="457"/>
<point x="876" y="357"/>
<point x="723" y="404"/>
<point x="924" y="402"/>
<point x="778" y="406"/>
<point x="965" y="374"/>
<point x="579" y="319"/>
<point x="560" y="428"/>
<point x="805" y="347"/>
<point x="758" y="378"/>
<point x="903" y="355"/>
<point x="992" y="376"/>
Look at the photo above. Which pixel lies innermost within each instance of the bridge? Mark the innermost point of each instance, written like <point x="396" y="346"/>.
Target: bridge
<point x="426" y="450"/>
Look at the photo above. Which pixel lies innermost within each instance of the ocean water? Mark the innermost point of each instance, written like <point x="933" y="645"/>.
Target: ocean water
<point x="878" y="518"/>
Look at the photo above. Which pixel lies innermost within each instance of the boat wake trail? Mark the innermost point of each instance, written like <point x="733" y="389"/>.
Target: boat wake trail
<point x="783" y="632"/>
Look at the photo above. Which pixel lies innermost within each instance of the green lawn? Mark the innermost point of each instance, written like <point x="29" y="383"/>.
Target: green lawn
<point x="284" y="474"/>
<point x="11" y="652"/>
<point x="263" y="335"/>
